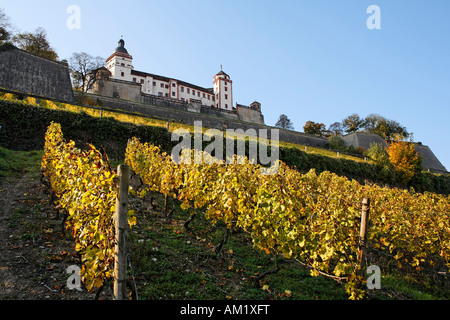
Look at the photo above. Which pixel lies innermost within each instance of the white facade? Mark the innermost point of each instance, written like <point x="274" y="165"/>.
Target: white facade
<point x="223" y="90"/>
<point x="120" y="64"/>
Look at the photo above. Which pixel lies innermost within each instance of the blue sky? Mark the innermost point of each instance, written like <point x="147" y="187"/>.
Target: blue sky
<point x="313" y="60"/>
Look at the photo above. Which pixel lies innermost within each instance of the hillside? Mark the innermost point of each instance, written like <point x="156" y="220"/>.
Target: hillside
<point x="110" y="130"/>
<point x="163" y="250"/>
<point x="169" y="262"/>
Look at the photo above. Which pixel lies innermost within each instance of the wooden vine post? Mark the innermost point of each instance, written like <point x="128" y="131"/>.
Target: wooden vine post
<point x="121" y="225"/>
<point x="363" y="232"/>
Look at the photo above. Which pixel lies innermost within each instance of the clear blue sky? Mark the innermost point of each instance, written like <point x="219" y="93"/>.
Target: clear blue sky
<point x="310" y="59"/>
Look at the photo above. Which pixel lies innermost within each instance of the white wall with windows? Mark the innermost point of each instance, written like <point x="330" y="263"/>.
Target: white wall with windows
<point x="120" y="64"/>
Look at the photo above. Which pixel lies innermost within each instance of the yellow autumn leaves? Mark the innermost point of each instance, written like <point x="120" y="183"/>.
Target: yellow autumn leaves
<point x="404" y="157"/>
<point x="85" y="187"/>
<point x="309" y="217"/>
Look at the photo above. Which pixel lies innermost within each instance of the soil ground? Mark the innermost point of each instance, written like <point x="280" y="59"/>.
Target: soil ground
<point x="34" y="254"/>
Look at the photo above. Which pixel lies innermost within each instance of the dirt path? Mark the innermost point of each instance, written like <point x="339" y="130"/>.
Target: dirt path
<point x="34" y="254"/>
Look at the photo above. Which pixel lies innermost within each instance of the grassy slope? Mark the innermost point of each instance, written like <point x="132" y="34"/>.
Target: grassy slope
<point x="15" y="164"/>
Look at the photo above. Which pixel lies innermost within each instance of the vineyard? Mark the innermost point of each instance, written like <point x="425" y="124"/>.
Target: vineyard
<point x="312" y="219"/>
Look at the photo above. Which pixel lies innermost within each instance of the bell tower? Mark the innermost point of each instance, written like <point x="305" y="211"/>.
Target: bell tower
<point x="223" y="91"/>
<point x="120" y="63"/>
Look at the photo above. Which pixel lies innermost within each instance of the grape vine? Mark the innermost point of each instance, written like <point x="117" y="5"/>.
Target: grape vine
<point x="308" y="217"/>
<point x="85" y="187"/>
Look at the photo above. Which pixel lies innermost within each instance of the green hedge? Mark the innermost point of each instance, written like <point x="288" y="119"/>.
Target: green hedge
<point x="24" y="127"/>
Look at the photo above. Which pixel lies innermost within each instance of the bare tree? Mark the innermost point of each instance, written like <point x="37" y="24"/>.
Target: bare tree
<point x="82" y="68"/>
<point x="5" y="27"/>
<point x="335" y="129"/>
<point x="284" y="122"/>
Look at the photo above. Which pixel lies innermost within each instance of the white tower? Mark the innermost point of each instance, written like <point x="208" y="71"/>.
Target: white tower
<point x="120" y="63"/>
<point x="223" y="91"/>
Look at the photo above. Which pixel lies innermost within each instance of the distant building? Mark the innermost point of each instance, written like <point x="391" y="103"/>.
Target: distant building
<point x="220" y="96"/>
<point x="119" y="79"/>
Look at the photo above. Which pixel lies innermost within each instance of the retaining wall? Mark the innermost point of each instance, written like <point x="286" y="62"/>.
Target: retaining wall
<point x="30" y="74"/>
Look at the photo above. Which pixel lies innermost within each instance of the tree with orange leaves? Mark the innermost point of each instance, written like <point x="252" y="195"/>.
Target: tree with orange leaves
<point x="404" y="157"/>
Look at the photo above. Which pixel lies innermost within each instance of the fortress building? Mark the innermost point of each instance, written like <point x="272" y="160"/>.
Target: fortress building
<point x="119" y="79"/>
<point x="120" y="64"/>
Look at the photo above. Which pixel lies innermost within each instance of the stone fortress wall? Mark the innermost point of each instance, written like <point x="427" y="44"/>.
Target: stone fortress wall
<point x="27" y="73"/>
<point x="365" y="140"/>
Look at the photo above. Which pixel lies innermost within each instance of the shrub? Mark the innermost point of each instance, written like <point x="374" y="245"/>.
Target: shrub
<point x="360" y="150"/>
<point x="337" y="143"/>
<point x="378" y="154"/>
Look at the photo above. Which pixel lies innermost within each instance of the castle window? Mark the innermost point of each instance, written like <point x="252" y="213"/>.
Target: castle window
<point x="142" y="81"/>
<point x="226" y="89"/>
<point x="154" y="83"/>
<point x="173" y="85"/>
<point x="208" y="97"/>
<point x="188" y="90"/>
<point x="204" y="95"/>
<point x="173" y="94"/>
<point x="182" y="89"/>
<point x="167" y="95"/>
<point x="226" y="97"/>
<point x="198" y="93"/>
<point x="226" y="105"/>
<point x="122" y="64"/>
<point x="193" y="92"/>
<point x="162" y="85"/>
<point x="134" y="79"/>
<point x="160" y="94"/>
<point x="122" y="74"/>
<point x="167" y="86"/>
